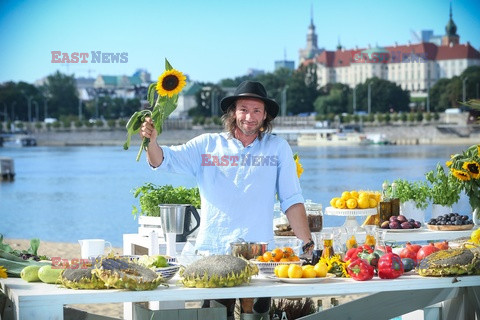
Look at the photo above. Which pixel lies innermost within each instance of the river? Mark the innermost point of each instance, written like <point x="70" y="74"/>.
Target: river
<point x="70" y="193"/>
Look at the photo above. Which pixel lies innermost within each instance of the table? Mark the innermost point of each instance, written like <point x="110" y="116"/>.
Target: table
<point x="390" y="298"/>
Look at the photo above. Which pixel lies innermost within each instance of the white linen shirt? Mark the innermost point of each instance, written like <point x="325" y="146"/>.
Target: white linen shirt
<point x="237" y="184"/>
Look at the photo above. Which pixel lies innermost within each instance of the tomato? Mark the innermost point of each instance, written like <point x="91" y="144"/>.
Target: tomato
<point x="390" y="266"/>
<point x="360" y="270"/>
<point x="425" y="251"/>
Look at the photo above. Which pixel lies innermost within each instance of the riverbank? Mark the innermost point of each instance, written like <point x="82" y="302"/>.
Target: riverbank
<point x="395" y="134"/>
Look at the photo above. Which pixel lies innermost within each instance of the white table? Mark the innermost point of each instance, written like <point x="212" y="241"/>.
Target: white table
<point x="136" y="244"/>
<point x="389" y="298"/>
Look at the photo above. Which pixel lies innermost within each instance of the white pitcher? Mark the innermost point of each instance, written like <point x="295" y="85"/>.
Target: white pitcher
<point x="92" y="248"/>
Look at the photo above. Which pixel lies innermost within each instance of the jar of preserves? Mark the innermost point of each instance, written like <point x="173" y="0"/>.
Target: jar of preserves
<point x="314" y="215"/>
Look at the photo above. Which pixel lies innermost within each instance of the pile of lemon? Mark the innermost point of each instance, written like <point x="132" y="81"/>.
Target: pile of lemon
<point x="356" y="200"/>
<point x="296" y="271"/>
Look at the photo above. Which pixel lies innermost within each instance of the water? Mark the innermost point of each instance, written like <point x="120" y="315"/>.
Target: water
<point x="70" y="193"/>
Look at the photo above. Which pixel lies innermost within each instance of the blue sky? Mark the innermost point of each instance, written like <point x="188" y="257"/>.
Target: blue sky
<point x="207" y="39"/>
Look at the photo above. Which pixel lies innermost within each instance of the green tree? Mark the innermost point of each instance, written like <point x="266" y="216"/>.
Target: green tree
<point x="386" y="96"/>
<point x="438" y="96"/>
<point x="335" y="100"/>
<point x="63" y="96"/>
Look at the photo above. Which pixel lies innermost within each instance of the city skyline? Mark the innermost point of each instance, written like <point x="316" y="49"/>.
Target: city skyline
<point x="209" y="40"/>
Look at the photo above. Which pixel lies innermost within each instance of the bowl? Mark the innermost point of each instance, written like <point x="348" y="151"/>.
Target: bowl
<point x="248" y="250"/>
<point x="167" y="273"/>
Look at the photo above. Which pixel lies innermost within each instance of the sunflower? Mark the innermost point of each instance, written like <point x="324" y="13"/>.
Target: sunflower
<point x="473" y="168"/>
<point x="449" y="163"/>
<point x="171" y="82"/>
<point x="298" y="165"/>
<point x="3" y="272"/>
<point x="459" y="174"/>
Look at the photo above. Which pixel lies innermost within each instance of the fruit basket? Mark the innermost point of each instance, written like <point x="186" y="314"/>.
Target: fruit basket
<point x="267" y="268"/>
<point x="449" y="227"/>
<point x="167" y="273"/>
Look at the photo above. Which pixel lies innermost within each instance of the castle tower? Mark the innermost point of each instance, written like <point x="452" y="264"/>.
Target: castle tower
<point x="311" y="49"/>
<point x="451" y="37"/>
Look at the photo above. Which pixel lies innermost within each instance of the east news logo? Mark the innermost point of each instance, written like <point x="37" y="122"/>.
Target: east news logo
<point x="82" y="57"/>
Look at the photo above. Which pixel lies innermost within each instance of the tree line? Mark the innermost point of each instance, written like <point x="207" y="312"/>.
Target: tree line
<point x="297" y="90"/>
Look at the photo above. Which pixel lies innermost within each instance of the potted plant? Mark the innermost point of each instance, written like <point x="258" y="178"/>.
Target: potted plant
<point x="151" y="196"/>
<point x="414" y="198"/>
<point x="444" y="190"/>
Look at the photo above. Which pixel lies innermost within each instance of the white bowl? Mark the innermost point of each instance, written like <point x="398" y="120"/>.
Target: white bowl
<point x="167" y="273"/>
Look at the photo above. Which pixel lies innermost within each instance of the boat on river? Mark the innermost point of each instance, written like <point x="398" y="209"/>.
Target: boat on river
<point x="18" y="140"/>
<point x="332" y="137"/>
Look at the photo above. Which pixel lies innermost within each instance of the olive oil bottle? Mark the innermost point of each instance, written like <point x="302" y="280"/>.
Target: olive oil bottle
<point x="395" y="201"/>
<point x="385" y="204"/>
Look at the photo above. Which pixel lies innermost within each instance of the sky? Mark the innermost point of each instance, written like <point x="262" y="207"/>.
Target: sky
<point x="208" y="40"/>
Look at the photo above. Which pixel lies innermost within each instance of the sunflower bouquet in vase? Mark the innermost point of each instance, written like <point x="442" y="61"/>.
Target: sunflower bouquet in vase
<point x="168" y="86"/>
<point x="465" y="167"/>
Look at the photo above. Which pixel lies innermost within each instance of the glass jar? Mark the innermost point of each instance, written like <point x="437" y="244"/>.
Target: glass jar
<point x="370" y="235"/>
<point x="351" y="238"/>
<point x="327" y="239"/>
<point x="314" y="215"/>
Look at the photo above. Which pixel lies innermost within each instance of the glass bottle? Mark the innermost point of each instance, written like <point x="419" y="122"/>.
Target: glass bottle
<point x="318" y="249"/>
<point x="333" y="302"/>
<point x="385" y="204"/>
<point x="327" y="237"/>
<point x="319" y="305"/>
<point x="395" y="201"/>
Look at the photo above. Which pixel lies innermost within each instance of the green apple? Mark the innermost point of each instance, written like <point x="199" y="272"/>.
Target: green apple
<point x="161" y="262"/>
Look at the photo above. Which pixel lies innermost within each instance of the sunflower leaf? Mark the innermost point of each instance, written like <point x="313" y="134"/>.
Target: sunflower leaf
<point x="168" y="66"/>
<point x="151" y="94"/>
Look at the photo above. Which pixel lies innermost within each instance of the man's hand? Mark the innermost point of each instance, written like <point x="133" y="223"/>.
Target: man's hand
<point x="154" y="152"/>
<point x="147" y="130"/>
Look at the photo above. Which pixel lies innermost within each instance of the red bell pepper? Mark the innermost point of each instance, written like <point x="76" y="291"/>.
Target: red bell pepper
<point x="353" y="253"/>
<point x="360" y="270"/>
<point x="390" y="266"/>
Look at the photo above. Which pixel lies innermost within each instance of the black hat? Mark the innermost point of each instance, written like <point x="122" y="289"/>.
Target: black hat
<point x="251" y="89"/>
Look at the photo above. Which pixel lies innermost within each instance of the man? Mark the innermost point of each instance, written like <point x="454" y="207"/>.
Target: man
<point x="239" y="173"/>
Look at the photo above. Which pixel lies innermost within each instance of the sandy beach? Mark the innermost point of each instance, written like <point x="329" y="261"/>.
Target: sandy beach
<point x="114" y="310"/>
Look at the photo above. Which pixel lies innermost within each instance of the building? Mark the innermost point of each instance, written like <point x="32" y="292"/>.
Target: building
<point x="414" y="67"/>
<point x="311" y="49"/>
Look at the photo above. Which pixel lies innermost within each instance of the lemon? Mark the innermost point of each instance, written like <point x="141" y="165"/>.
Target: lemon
<point x="346" y="195"/>
<point x="283" y="270"/>
<point x="363" y="202"/>
<point x="294" y="271"/>
<point x="372" y="203"/>
<point x="340" y="204"/>
<point x="321" y="269"/>
<point x="363" y="194"/>
<point x="333" y="201"/>
<point x="309" y="273"/>
<point x="354" y="194"/>
<point x="351" y="203"/>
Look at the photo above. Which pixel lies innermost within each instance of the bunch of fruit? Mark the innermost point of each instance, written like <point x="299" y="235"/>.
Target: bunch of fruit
<point x="296" y="271"/>
<point x="356" y="200"/>
<point x="451" y="219"/>
<point x="285" y="254"/>
<point x="400" y="222"/>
